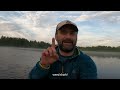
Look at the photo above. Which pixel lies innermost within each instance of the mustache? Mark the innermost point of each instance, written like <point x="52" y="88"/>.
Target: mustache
<point x="68" y="41"/>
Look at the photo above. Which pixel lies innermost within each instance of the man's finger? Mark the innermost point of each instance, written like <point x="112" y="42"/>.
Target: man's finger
<point x="54" y="51"/>
<point x="53" y="42"/>
<point x="50" y="51"/>
<point x="45" y="53"/>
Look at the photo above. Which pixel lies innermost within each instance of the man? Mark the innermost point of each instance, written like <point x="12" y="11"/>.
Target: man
<point x="64" y="61"/>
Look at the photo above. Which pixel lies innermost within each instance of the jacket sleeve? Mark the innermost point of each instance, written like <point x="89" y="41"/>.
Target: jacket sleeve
<point x="88" y="69"/>
<point x="38" y="72"/>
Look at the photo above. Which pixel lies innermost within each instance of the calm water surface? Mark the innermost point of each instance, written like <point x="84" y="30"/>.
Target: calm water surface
<point x="16" y="63"/>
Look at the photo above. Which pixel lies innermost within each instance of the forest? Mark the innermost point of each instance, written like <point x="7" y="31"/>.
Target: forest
<point x="22" y="42"/>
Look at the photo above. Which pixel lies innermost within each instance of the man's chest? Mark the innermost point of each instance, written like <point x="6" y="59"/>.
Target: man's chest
<point x="68" y="70"/>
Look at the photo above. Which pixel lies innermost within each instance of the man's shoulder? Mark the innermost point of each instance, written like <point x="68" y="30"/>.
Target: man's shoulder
<point x="84" y="57"/>
<point x="87" y="63"/>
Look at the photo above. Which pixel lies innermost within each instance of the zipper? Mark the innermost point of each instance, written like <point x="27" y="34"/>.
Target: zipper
<point x="62" y="69"/>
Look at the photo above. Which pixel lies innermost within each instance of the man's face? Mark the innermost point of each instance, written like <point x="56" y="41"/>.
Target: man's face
<point x="66" y="39"/>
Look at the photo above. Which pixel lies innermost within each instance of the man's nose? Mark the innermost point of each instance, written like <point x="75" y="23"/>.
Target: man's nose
<point x="68" y="35"/>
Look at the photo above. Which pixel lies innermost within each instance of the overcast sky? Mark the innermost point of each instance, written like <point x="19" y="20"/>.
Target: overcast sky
<point x="95" y="27"/>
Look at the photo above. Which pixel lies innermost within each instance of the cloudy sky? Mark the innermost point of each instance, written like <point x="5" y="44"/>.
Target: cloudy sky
<point x="95" y="27"/>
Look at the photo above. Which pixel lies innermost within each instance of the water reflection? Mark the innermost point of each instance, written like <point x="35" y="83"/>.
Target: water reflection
<point x="108" y="67"/>
<point x="16" y="63"/>
<point x="103" y="54"/>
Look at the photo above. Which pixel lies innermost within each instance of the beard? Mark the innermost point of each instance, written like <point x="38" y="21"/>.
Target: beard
<point x="67" y="45"/>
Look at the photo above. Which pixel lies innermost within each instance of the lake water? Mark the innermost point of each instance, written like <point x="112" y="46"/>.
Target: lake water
<point x="16" y="63"/>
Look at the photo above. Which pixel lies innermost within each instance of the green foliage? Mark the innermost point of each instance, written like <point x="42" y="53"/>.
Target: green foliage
<point x="101" y="48"/>
<point x="22" y="42"/>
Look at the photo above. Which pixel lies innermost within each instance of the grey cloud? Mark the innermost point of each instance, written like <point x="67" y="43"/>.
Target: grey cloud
<point x="40" y="19"/>
<point x="39" y="25"/>
<point x="106" y="16"/>
<point x="8" y="27"/>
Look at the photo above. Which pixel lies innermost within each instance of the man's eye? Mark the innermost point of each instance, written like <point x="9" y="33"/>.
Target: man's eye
<point x="73" y="33"/>
<point x="64" y="32"/>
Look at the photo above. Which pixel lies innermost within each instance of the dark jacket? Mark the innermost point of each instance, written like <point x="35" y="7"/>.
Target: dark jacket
<point x="78" y="66"/>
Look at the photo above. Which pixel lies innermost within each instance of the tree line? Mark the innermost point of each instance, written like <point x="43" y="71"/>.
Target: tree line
<point x="22" y="42"/>
<point x="101" y="48"/>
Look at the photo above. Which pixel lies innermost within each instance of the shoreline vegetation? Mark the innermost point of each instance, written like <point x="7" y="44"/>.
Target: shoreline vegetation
<point x="22" y="42"/>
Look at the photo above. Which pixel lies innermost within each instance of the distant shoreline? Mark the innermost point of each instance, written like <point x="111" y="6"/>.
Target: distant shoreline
<point x="79" y="48"/>
<point x="103" y="54"/>
<point x="24" y="43"/>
